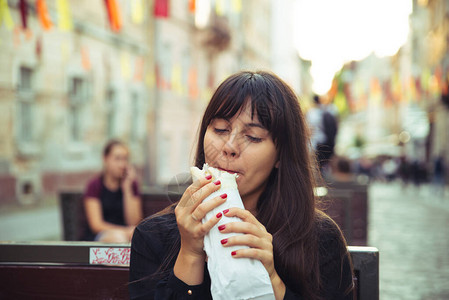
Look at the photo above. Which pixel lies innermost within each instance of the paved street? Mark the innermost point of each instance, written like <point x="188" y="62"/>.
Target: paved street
<point x="411" y="230"/>
<point x="43" y="223"/>
<point x="409" y="227"/>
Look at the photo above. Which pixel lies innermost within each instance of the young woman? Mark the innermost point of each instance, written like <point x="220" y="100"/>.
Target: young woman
<point x="253" y="126"/>
<point x="112" y="200"/>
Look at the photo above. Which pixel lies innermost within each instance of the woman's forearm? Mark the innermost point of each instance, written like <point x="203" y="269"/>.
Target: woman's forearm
<point x="132" y="206"/>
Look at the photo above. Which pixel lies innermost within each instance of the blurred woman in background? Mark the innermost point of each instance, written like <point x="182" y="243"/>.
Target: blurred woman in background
<point x="112" y="200"/>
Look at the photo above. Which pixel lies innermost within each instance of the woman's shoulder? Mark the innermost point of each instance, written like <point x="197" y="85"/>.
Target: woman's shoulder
<point x="156" y="234"/>
<point x="93" y="186"/>
<point x="159" y="222"/>
<point x="329" y="234"/>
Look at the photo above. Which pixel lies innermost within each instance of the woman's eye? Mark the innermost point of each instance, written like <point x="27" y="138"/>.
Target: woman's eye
<point x="253" y="139"/>
<point x="220" y="131"/>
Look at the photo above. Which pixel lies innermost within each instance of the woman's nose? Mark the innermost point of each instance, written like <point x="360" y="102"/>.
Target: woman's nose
<point x="231" y="147"/>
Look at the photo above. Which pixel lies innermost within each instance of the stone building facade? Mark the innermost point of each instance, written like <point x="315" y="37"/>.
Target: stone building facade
<point x="65" y="91"/>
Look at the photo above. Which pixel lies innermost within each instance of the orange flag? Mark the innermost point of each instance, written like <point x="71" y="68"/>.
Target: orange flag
<point x="42" y="12"/>
<point x="113" y="14"/>
<point x="192" y="5"/>
<point x="85" y="60"/>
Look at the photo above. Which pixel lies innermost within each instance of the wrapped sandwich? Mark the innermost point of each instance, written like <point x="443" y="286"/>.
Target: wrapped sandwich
<point x="231" y="278"/>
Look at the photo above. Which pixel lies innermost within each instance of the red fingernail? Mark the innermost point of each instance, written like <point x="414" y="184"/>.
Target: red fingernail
<point x="233" y="253"/>
<point x="209" y="177"/>
<point x="219" y="215"/>
<point x="221" y="227"/>
<point x="224" y="241"/>
<point x="226" y="211"/>
<point x="223" y="196"/>
<point x="217" y="182"/>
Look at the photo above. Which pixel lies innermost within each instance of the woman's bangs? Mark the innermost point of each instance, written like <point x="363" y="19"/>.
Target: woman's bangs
<point x="231" y="104"/>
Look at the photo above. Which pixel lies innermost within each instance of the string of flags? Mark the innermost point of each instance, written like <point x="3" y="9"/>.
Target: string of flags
<point x="113" y="11"/>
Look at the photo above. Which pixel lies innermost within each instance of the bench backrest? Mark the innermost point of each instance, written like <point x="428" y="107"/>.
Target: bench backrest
<point x="90" y="270"/>
<point x="347" y="204"/>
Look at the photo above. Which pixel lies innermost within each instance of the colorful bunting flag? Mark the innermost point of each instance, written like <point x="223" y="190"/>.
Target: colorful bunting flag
<point x="193" y="83"/>
<point x="137" y="11"/>
<point x="65" y="18"/>
<point x="150" y="80"/>
<point x="39" y="47"/>
<point x="176" y="79"/>
<point x="43" y="14"/>
<point x="341" y="103"/>
<point x="113" y="14"/>
<point x="65" y="51"/>
<point x="138" y="69"/>
<point x="85" y="59"/>
<point x="23" y="7"/>
<point x="220" y="7"/>
<point x="161" y="8"/>
<point x="192" y="6"/>
<point x="5" y="15"/>
<point x="236" y="6"/>
<point x="125" y="65"/>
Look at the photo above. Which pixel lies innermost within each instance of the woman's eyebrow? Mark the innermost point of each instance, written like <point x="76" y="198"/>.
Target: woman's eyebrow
<point x="257" y="125"/>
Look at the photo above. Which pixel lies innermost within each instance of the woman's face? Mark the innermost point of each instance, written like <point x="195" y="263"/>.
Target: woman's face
<point x="116" y="161"/>
<point x="241" y="145"/>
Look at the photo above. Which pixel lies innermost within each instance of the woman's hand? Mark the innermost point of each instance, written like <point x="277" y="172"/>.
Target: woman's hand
<point x="259" y="241"/>
<point x="189" y="212"/>
<point x="129" y="177"/>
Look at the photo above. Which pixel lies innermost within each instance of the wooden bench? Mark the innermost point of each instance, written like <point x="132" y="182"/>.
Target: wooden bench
<point x="346" y="204"/>
<point x="91" y="270"/>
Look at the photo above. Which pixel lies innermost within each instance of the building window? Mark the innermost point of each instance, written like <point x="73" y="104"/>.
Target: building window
<point x="111" y="112"/>
<point x="26" y="105"/>
<point x="78" y="96"/>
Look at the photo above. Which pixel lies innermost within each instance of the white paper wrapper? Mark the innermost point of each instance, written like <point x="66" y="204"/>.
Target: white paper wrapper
<point x="231" y="278"/>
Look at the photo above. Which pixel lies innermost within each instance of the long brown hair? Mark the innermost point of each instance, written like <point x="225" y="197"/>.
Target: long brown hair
<point x="287" y="206"/>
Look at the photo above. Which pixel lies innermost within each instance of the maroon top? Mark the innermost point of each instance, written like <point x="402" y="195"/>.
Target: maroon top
<point x="111" y="201"/>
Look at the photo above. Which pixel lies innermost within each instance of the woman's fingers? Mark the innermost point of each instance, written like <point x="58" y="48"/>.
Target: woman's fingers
<point x="198" y="191"/>
<point x="207" y="226"/>
<point x="249" y="225"/>
<point x="243" y="214"/>
<point x="265" y="257"/>
<point x="204" y="207"/>
<point x="249" y="240"/>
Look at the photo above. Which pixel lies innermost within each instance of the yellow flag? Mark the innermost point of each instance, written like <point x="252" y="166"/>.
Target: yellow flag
<point x="64" y="16"/>
<point x="236" y="6"/>
<point x="176" y="78"/>
<point x="5" y="15"/>
<point x="125" y="65"/>
<point x="137" y="11"/>
<point x="65" y="51"/>
<point x="220" y="7"/>
<point x="150" y="79"/>
<point x="341" y="103"/>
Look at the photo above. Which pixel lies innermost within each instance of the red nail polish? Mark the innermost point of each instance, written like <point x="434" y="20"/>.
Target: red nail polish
<point x="226" y="211"/>
<point x="221" y="227"/>
<point x="217" y="182"/>
<point x="224" y="241"/>
<point x="219" y="215"/>
<point x="209" y="177"/>
<point x="233" y="253"/>
<point x="224" y="196"/>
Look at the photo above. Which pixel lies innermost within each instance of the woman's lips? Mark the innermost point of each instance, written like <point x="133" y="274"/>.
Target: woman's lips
<point x="229" y="171"/>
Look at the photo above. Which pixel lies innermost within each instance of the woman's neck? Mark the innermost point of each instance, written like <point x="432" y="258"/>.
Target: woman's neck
<point x="250" y="203"/>
<point x="110" y="182"/>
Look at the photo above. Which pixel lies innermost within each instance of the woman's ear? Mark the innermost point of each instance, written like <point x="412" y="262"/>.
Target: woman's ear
<point x="277" y="164"/>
